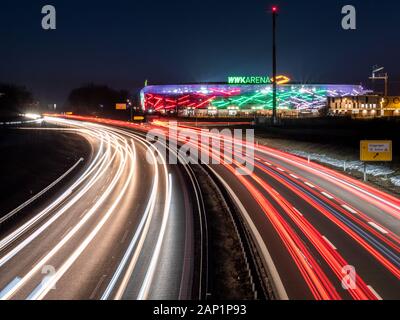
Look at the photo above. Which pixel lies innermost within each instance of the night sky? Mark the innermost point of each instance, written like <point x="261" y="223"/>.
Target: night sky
<point x="122" y="43"/>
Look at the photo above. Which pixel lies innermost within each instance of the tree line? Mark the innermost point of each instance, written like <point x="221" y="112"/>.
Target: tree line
<point x="90" y="99"/>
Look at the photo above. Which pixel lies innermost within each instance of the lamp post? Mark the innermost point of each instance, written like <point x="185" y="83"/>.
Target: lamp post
<point x="383" y="76"/>
<point x="130" y="106"/>
<point x="274" y="84"/>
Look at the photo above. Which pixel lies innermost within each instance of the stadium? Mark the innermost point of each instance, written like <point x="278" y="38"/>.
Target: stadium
<point x="245" y="99"/>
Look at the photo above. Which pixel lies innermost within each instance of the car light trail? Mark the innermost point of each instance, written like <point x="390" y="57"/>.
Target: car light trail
<point x="116" y="163"/>
<point x="70" y="234"/>
<point x="144" y="290"/>
<point x="295" y="226"/>
<point x="40" y="294"/>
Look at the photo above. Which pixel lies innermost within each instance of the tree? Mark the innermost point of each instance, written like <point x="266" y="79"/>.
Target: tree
<point x="95" y="99"/>
<point x="14" y="99"/>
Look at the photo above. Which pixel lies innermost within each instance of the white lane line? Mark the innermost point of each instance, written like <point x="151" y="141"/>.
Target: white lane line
<point x="309" y="184"/>
<point x="124" y="236"/>
<point x="375" y="293"/>
<point x="294" y="176"/>
<point x="17" y="233"/>
<point x="380" y="229"/>
<point x="104" y="276"/>
<point x="277" y="283"/>
<point x="295" y="209"/>
<point x="274" y="191"/>
<point x="84" y="212"/>
<point x="280" y="169"/>
<point x="330" y="243"/>
<point x="8" y="287"/>
<point x="328" y="195"/>
<point x="349" y="209"/>
<point x="268" y="164"/>
<point x="330" y="176"/>
<point x="258" y="159"/>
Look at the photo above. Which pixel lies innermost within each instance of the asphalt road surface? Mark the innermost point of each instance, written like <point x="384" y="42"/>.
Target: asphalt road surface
<point x="118" y="232"/>
<point x="321" y="235"/>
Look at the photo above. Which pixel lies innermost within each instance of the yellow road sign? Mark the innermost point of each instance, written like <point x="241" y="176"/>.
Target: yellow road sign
<point x="120" y="106"/>
<point x="138" y="118"/>
<point x="376" y="150"/>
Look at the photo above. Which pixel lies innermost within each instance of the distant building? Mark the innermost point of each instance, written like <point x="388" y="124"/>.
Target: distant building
<point x="231" y="99"/>
<point x="364" y="106"/>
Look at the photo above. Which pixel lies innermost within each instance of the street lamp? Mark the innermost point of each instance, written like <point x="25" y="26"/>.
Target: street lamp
<point x="130" y="108"/>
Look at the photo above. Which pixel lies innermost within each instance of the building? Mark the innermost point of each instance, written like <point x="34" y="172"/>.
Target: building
<point x="364" y="106"/>
<point x="245" y="99"/>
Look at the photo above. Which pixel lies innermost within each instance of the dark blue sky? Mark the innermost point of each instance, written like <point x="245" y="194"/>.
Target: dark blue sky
<point x="123" y="42"/>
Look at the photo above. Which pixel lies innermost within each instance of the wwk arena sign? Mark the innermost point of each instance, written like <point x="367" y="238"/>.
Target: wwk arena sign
<point x="258" y="80"/>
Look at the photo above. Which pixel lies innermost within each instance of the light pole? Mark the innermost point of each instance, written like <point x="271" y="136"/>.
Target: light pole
<point x="383" y="76"/>
<point x="130" y="108"/>
<point x="274" y="14"/>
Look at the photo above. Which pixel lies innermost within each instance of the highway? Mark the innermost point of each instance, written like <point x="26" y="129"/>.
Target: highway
<point x="119" y="231"/>
<point x="313" y="225"/>
<point x="322" y="235"/>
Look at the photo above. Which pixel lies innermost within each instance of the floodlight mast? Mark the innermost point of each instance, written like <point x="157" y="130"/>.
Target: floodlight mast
<point x="274" y="67"/>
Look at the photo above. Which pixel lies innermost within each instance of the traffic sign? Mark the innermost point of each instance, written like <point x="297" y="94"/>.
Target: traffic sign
<point x="376" y="150"/>
<point x="138" y="118"/>
<point x="120" y="106"/>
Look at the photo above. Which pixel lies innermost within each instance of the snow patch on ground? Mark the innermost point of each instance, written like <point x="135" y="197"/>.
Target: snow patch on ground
<point x="395" y="181"/>
<point x="374" y="170"/>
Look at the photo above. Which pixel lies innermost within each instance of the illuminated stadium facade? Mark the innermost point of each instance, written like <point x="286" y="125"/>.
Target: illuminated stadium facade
<point x="233" y="99"/>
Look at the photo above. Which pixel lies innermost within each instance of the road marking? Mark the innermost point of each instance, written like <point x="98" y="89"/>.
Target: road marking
<point x="66" y="232"/>
<point x="375" y="293"/>
<point x="309" y="184"/>
<point x="95" y="200"/>
<point x="267" y="163"/>
<point x="330" y="243"/>
<point x="293" y="176"/>
<point x="258" y="159"/>
<point x="84" y="212"/>
<point x="274" y="191"/>
<point x="124" y="236"/>
<point x="26" y="203"/>
<point x="380" y="229"/>
<point x="328" y="195"/>
<point x="39" y="287"/>
<point x="349" y="209"/>
<point x="280" y="169"/>
<point x="103" y="277"/>
<point x="295" y="209"/>
<point x="8" y="287"/>
<point x="308" y="262"/>
<point x="265" y="254"/>
<point x="300" y="163"/>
